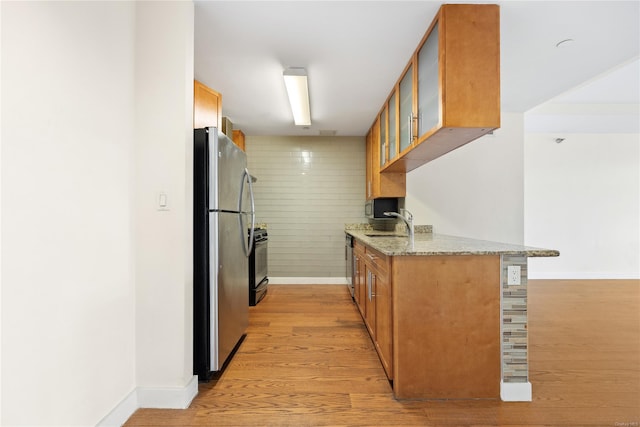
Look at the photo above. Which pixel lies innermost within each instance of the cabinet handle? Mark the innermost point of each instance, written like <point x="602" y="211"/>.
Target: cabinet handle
<point x="368" y="273"/>
<point x="411" y="120"/>
<point x="371" y="293"/>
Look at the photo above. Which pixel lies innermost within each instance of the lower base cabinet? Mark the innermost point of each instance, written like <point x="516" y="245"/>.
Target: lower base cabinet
<point x="384" y="325"/>
<point x="434" y="321"/>
<point x="374" y="302"/>
<point x="359" y="285"/>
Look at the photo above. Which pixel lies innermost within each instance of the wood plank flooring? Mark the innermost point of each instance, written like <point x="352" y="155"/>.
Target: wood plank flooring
<point x="307" y="361"/>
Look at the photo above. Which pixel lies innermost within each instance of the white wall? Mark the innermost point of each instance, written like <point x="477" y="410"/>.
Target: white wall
<point x="96" y="302"/>
<point x="307" y="189"/>
<point x="582" y="197"/>
<point x="164" y="163"/>
<point x="1" y="220"/>
<point x="477" y="190"/>
<point x="68" y="306"/>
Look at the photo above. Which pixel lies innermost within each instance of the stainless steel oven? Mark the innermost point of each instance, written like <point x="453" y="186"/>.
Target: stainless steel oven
<point x="258" y="269"/>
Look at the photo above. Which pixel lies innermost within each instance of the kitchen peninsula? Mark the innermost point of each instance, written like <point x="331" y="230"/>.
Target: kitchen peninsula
<point x="447" y="315"/>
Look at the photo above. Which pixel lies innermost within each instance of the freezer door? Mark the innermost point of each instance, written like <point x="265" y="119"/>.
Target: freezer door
<point x="230" y="289"/>
<point x="227" y="164"/>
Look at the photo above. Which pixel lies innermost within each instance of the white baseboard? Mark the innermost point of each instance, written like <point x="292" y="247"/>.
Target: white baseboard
<point x="581" y="275"/>
<point x="151" y="397"/>
<point x="168" y="397"/>
<point x="515" y="392"/>
<point x="121" y="413"/>
<point x="307" y="280"/>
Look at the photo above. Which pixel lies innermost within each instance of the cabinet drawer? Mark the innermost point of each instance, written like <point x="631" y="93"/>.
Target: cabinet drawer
<point x="377" y="260"/>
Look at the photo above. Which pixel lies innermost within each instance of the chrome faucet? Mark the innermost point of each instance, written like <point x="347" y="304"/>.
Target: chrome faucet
<point x="407" y="217"/>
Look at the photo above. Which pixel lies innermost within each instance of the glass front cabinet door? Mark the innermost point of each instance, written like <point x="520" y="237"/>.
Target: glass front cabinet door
<point x="428" y="84"/>
<point x="393" y="127"/>
<point x="383" y="137"/>
<point x="406" y="109"/>
<point x="449" y="92"/>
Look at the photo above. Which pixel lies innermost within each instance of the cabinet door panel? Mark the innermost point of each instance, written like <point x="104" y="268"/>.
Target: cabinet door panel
<point x="356" y="278"/>
<point x="239" y="139"/>
<point x="428" y="84"/>
<point x="383" y="137"/>
<point x="406" y="109"/>
<point x="207" y="106"/>
<point x="384" y="323"/>
<point x="359" y="285"/>
<point x="375" y="160"/>
<point x="380" y="184"/>
<point x="369" y="165"/>
<point x="393" y="127"/>
<point x="370" y="302"/>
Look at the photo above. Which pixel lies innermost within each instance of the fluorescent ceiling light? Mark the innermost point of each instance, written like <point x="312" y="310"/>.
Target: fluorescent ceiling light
<point x="295" y="79"/>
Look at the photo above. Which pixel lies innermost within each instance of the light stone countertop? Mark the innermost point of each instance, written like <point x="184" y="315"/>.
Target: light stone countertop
<point x="393" y="243"/>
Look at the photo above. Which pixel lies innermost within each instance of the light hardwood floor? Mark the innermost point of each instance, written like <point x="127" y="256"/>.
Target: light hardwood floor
<point x="307" y="361"/>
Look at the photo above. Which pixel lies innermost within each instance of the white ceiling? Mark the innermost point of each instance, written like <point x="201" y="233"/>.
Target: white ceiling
<point x="354" y="51"/>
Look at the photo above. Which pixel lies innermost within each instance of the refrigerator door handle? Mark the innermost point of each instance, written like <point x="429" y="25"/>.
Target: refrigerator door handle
<point x="247" y="245"/>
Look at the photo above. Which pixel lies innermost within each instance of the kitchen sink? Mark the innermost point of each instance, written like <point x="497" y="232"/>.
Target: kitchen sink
<point x="384" y="235"/>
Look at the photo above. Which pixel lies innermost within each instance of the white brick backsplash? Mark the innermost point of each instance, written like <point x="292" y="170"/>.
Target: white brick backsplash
<point x="307" y="189"/>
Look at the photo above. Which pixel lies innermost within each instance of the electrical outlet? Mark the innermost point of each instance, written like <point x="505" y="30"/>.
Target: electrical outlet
<point x="513" y="275"/>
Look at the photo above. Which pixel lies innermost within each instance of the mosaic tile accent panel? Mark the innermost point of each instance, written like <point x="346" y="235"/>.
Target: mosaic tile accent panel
<point x="514" y="345"/>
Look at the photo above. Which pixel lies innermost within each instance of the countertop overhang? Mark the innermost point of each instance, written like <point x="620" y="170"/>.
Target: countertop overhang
<point x="432" y="244"/>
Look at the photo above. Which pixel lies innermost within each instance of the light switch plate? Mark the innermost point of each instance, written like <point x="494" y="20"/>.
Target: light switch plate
<point x="162" y="201"/>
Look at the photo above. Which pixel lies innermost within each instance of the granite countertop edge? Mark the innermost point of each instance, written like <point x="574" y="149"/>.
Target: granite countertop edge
<point x="432" y="244"/>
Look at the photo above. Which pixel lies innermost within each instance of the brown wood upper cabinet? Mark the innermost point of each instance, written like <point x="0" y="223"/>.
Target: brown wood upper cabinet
<point x="207" y="111"/>
<point x="378" y="184"/>
<point x="207" y="106"/>
<point x="449" y="92"/>
<point x="238" y="138"/>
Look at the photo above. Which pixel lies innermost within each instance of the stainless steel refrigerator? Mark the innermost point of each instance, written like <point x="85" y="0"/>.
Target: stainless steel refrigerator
<point x="223" y="215"/>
